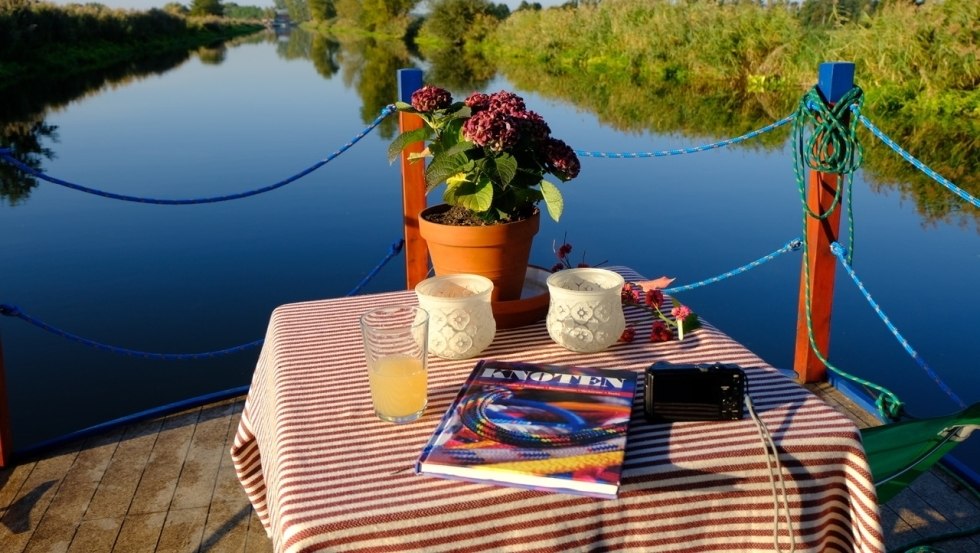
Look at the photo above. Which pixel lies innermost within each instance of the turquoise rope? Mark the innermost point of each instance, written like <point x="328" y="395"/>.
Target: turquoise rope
<point x="832" y="147"/>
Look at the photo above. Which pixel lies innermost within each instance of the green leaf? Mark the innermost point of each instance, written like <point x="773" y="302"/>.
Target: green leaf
<point x="691" y="322"/>
<point x="444" y="167"/>
<point x="458" y="148"/>
<point x="403" y="140"/>
<point x="552" y="199"/>
<point x="402" y="106"/>
<point x="506" y="168"/>
<point x="473" y="196"/>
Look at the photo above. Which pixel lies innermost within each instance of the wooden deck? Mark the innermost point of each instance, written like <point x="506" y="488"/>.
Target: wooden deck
<point x="168" y="485"/>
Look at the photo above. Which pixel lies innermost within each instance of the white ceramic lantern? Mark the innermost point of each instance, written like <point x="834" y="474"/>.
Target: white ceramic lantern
<point x="461" y="323"/>
<point x="586" y="310"/>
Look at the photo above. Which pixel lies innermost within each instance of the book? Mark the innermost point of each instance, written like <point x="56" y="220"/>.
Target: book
<point x="536" y="426"/>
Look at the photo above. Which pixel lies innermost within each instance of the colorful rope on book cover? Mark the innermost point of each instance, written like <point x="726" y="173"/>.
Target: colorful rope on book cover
<point x="570" y="431"/>
<point x="564" y="465"/>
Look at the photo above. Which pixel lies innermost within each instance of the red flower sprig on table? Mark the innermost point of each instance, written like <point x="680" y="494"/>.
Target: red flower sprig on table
<point x="564" y="262"/>
<point x="652" y="301"/>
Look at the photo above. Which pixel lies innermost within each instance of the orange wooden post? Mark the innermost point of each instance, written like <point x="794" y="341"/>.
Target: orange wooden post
<point x="6" y="445"/>
<point x="835" y="80"/>
<point x="413" y="184"/>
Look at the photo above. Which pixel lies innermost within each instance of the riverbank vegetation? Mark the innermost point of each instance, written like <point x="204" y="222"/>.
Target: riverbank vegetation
<point x="40" y="38"/>
<point x="909" y="57"/>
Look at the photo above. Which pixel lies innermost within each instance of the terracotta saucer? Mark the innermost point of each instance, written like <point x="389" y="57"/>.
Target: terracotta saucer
<point x="531" y="307"/>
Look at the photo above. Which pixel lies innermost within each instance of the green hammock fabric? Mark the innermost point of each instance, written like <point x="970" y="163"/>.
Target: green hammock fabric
<point x="899" y="452"/>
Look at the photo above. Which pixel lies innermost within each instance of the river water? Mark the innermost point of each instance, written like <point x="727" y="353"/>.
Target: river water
<point x="184" y="279"/>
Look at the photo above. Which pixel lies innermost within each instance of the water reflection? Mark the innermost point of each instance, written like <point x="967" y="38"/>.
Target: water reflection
<point x="456" y="69"/>
<point x="369" y="66"/>
<point x="949" y="147"/>
<point x="25" y="105"/>
<point x="212" y="55"/>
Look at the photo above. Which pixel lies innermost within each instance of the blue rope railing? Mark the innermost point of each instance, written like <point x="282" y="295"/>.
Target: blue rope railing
<point x="7" y="155"/>
<point x="692" y="150"/>
<point x="393" y="250"/>
<point x="918" y="164"/>
<point x="793" y="244"/>
<point x="14" y="311"/>
<point x="841" y="254"/>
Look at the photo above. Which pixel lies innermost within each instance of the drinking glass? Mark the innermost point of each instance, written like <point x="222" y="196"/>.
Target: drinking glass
<point x="395" y="346"/>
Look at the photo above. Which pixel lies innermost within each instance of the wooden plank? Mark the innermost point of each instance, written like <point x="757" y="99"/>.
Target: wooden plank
<point x="195" y="486"/>
<point x="57" y="527"/>
<point x="159" y="481"/>
<point x="25" y="512"/>
<point x="96" y="535"/>
<point x="12" y="478"/>
<point x="115" y="493"/>
<point x="183" y="530"/>
<point x="226" y="530"/>
<point x="140" y="533"/>
<point x="257" y="540"/>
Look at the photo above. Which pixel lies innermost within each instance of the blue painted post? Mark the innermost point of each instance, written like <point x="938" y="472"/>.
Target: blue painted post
<point x="413" y="184"/>
<point x="835" y="79"/>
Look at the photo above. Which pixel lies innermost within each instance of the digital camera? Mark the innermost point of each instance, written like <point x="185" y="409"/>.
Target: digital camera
<point x="693" y="392"/>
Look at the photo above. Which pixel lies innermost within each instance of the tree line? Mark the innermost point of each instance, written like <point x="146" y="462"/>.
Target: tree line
<point x="38" y="38"/>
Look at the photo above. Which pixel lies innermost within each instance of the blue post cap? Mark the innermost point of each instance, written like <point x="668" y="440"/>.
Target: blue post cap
<point x="835" y="79"/>
<point x="409" y="80"/>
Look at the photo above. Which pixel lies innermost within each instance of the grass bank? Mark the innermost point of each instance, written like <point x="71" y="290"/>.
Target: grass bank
<point x="42" y="39"/>
<point x="913" y="59"/>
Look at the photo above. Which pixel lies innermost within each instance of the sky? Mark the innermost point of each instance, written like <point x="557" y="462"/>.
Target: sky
<point x="147" y="4"/>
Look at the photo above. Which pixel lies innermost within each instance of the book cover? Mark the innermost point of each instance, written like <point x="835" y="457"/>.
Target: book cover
<point x="537" y="426"/>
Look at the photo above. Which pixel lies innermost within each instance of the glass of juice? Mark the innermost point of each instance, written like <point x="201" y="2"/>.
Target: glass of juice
<point x="395" y="346"/>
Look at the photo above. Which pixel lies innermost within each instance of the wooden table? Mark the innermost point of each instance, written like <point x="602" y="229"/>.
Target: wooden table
<point x="325" y="474"/>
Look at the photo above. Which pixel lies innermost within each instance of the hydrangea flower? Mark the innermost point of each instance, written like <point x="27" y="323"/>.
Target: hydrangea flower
<point x="489" y="139"/>
<point x="431" y="98"/>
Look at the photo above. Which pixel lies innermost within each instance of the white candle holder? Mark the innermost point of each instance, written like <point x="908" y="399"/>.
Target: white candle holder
<point x="461" y="323"/>
<point x="586" y="309"/>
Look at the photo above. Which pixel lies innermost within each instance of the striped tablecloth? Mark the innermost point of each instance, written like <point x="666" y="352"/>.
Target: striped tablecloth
<point x="325" y="474"/>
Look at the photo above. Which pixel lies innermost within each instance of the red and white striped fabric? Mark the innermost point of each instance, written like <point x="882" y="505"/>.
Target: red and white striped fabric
<point x="325" y="474"/>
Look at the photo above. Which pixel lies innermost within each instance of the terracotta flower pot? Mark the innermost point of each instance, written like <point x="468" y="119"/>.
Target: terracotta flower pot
<point x="498" y="252"/>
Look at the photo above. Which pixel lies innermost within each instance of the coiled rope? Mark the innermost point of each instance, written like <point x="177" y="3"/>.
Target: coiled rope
<point x="14" y="311"/>
<point x="838" y="251"/>
<point x="832" y="147"/>
<point x="7" y="155"/>
<point x="695" y="149"/>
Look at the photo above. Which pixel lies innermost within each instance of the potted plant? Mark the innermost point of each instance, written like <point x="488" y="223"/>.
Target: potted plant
<point x="492" y="153"/>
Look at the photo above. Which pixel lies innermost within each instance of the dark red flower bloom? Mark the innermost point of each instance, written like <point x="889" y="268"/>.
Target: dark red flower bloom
<point x="654" y="298"/>
<point x="477" y="102"/>
<point x="507" y="102"/>
<point x="660" y="333"/>
<point x="560" y="159"/>
<point x="557" y="267"/>
<point x="629" y="333"/>
<point x="533" y="126"/>
<point x="629" y="295"/>
<point x="430" y="98"/>
<point x="564" y="250"/>
<point x="492" y="129"/>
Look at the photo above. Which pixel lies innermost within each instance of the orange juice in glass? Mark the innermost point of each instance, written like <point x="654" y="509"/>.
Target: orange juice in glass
<point x="395" y="346"/>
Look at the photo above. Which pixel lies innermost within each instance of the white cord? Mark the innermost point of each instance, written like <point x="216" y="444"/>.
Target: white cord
<point x="769" y="445"/>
